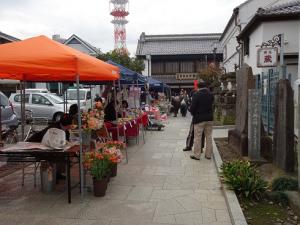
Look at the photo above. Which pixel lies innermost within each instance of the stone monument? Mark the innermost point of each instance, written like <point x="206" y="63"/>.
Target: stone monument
<point x="299" y="138"/>
<point x="254" y="124"/>
<point x="238" y="138"/>
<point x="283" y="154"/>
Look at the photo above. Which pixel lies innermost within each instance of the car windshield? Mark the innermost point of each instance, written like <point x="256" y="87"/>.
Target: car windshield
<point x="56" y="99"/>
<point x="72" y="95"/>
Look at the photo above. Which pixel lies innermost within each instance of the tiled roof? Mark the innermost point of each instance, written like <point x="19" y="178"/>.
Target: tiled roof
<point x="88" y="45"/>
<point x="178" y="44"/>
<point x="284" y="9"/>
<point x="8" y="37"/>
<point x="288" y="11"/>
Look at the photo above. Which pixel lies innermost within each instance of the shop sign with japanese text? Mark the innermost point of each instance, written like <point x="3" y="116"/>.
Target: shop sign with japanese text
<point x="267" y="57"/>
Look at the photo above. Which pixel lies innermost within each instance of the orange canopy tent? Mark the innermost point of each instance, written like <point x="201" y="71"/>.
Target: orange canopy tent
<point x="42" y="59"/>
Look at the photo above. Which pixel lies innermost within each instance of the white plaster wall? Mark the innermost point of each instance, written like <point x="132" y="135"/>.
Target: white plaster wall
<point x="248" y="10"/>
<point x="267" y="31"/>
<point x="256" y="38"/>
<point x="290" y="29"/>
<point x="145" y="71"/>
<point x="229" y="42"/>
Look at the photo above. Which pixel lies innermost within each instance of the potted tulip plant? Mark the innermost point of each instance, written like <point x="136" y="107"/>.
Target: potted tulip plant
<point x="99" y="165"/>
<point x="112" y="149"/>
<point x="91" y="121"/>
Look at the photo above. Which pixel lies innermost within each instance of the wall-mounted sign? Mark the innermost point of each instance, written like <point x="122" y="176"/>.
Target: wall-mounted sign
<point x="267" y="57"/>
<point x="186" y="76"/>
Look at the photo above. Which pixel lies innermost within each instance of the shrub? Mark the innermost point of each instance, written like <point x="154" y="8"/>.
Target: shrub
<point x="243" y="178"/>
<point x="284" y="184"/>
<point x="278" y="197"/>
<point x="228" y="120"/>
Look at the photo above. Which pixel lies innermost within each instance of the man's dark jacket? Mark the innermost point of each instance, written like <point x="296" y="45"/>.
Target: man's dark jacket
<point x="202" y="106"/>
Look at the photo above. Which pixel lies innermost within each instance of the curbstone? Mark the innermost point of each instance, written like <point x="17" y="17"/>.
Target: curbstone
<point x="235" y="211"/>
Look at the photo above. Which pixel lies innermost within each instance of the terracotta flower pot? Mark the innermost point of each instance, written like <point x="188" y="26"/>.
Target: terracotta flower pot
<point x="100" y="187"/>
<point x="114" y="170"/>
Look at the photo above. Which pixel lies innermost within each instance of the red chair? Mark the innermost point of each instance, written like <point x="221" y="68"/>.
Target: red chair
<point x="133" y="130"/>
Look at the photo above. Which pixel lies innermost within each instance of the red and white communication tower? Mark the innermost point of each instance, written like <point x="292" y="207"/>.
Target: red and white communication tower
<point x="120" y="9"/>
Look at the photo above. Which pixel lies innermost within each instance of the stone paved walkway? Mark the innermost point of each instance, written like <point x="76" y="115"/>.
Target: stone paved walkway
<point x="159" y="185"/>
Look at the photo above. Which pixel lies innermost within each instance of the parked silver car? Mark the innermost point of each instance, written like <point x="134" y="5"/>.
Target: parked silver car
<point x="42" y="105"/>
<point x="8" y="117"/>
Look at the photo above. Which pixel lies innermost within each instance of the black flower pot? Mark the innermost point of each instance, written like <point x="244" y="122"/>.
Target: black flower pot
<point x="114" y="169"/>
<point x="100" y="187"/>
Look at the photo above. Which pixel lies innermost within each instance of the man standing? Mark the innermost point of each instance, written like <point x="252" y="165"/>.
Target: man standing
<point x="202" y="112"/>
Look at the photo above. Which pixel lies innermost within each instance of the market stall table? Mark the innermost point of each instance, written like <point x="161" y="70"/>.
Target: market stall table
<point x="23" y="150"/>
<point x="130" y="126"/>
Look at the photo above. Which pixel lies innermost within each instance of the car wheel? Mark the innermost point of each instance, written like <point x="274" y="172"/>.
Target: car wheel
<point x="57" y="116"/>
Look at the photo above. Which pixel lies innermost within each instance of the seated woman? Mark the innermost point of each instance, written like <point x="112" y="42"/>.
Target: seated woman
<point x="65" y="124"/>
<point x="125" y="104"/>
<point x="98" y="99"/>
<point x="123" y="109"/>
<point x="73" y="112"/>
<point x="110" y="111"/>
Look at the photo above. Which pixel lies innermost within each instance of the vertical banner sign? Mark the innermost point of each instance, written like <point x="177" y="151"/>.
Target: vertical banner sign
<point x="254" y="123"/>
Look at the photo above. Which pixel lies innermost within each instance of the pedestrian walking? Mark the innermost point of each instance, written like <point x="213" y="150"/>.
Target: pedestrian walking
<point x="202" y="112"/>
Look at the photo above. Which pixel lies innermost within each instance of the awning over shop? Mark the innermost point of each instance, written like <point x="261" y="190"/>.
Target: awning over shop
<point x="128" y="76"/>
<point x="42" y="59"/>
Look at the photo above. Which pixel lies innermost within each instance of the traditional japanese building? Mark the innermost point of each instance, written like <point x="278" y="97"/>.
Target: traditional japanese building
<point x="176" y="59"/>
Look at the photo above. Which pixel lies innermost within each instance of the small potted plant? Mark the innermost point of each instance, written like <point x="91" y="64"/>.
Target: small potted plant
<point x="112" y="149"/>
<point x="91" y="121"/>
<point x="99" y="166"/>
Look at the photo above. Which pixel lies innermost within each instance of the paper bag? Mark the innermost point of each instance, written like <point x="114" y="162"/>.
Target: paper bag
<point x="54" y="138"/>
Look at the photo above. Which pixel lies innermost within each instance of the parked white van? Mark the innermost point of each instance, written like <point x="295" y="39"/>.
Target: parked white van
<point x="35" y="90"/>
<point x="85" y="97"/>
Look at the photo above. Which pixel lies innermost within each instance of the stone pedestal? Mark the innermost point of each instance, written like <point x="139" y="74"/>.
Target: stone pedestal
<point x="283" y="154"/>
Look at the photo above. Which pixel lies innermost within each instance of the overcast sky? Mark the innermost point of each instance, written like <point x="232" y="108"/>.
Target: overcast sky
<point x="90" y="19"/>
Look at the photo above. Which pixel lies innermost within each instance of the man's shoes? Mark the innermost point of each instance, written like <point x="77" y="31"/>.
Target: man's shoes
<point x="207" y="157"/>
<point x="187" y="149"/>
<point x="194" y="157"/>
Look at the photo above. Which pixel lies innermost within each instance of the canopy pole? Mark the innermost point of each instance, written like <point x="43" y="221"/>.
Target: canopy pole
<point x="80" y="138"/>
<point x="1" y="143"/>
<point x="64" y="97"/>
<point x="124" y="133"/>
<point x="22" y="87"/>
<point x="66" y="91"/>
<point x="115" y="102"/>
<point x="137" y="124"/>
<point x="91" y="96"/>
